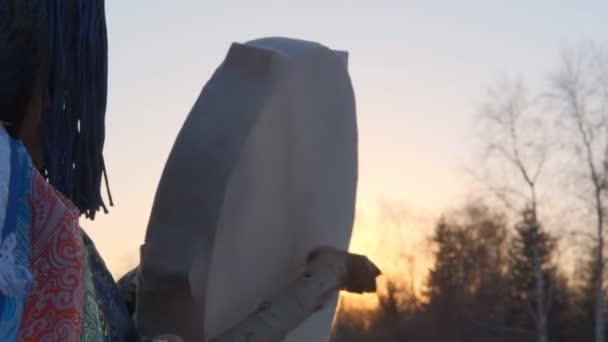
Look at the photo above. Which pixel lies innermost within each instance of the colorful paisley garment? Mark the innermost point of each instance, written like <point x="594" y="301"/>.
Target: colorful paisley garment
<point x="53" y="284"/>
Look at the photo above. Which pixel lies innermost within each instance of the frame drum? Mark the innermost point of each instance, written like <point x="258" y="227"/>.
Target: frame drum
<point x="263" y="171"/>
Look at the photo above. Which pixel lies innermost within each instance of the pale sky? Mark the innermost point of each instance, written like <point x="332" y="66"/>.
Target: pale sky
<point x="419" y="68"/>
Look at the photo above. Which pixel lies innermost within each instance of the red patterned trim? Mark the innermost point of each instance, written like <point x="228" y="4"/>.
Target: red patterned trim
<point x="53" y="311"/>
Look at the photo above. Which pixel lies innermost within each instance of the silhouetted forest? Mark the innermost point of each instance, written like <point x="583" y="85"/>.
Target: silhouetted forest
<point x="482" y="287"/>
<point x="525" y="261"/>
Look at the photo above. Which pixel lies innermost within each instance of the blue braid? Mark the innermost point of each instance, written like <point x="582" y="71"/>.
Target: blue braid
<point x="75" y="123"/>
<point x="72" y="33"/>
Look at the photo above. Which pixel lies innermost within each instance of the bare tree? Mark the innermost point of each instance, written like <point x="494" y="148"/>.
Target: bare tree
<point x="579" y="89"/>
<point x="516" y="143"/>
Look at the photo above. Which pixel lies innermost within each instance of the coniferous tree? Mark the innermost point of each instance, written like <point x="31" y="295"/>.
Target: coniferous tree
<point x="531" y="276"/>
<point x="466" y="284"/>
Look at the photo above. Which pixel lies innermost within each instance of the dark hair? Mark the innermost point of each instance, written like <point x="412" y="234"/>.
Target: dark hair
<point x="65" y="42"/>
<point x="23" y="49"/>
<point x="13" y="111"/>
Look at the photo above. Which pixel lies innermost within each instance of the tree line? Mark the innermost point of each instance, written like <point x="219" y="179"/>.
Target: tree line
<point x="525" y="261"/>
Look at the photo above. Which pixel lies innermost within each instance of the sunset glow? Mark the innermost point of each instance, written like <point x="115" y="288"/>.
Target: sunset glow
<point x="419" y="72"/>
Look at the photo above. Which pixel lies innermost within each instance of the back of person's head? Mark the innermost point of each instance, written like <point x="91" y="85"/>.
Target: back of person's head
<point x="23" y="44"/>
<point x="59" y="49"/>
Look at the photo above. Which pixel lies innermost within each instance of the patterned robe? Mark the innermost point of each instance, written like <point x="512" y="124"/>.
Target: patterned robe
<point x="53" y="284"/>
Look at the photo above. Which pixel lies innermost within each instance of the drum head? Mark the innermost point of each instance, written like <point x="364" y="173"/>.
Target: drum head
<point x="263" y="171"/>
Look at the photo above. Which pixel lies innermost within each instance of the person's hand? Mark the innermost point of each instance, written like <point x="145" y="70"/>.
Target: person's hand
<point x="356" y="272"/>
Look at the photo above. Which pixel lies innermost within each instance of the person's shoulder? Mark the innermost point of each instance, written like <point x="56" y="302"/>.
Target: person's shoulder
<point x="15" y="277"/>
<point x="13" y="155"/>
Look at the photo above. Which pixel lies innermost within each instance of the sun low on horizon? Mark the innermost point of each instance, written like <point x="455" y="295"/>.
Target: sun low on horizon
<point x="419" y="72"/>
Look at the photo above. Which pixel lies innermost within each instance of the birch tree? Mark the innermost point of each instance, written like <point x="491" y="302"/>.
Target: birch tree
<point x="516" y="143"/>
<point x="579" y="92"/>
